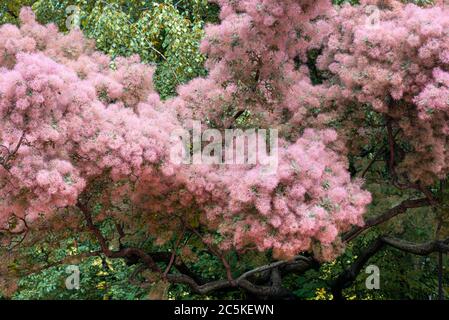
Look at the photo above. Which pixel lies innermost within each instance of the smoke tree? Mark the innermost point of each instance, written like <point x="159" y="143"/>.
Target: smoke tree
<point x="396" y="61"/>
<point x="85" y="140"/>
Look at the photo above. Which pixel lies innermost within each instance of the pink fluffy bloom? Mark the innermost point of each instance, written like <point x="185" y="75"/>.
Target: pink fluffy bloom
<point x="60" y="105"/>
<point x="80" y="124"/>
<point x="399" y="67"/>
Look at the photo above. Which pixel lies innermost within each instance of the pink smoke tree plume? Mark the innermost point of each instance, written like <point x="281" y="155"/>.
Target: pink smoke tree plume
<point x="85" y="139"/>
<point x="397" y="63"/>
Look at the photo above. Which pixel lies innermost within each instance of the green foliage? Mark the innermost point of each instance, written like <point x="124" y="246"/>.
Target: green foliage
<point x="100" y="279"/>
<point x="9" y="10"/>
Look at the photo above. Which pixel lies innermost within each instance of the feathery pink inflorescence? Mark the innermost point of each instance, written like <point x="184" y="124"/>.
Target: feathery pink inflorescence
<point x="79" y="117"/>
<point x="395" y="58"/>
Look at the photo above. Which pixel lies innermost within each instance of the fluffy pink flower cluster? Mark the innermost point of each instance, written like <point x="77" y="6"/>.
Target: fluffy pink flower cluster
<point x="69" y="115"/>
<point x="252" y="57"/>
<point x="395" y="58"/>
<point x="309" y="200"/>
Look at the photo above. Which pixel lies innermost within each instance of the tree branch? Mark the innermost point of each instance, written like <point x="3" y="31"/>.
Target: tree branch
<point x="173" y="255"/>
<point x="389" y="214"/>
<point x="123" y="253"/>
<point x="349" y="275"/>
<point x="275" y="290"/>
<point x="422" y="249"/>
<point x="215" y="252"/>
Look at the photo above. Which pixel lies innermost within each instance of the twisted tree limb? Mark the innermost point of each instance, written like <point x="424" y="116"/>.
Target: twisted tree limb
<point x="266" y="281"/>
<point x="389" y="214"/>
<point x="422" y="249"/>
<point x="348" y="276"/>
<point x="275" y="290"/>
<point x="123" y="253"/>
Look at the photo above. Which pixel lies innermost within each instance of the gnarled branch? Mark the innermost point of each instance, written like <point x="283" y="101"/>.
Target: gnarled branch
<point x="389" y="214"/>
<point x="349" y="275"/>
